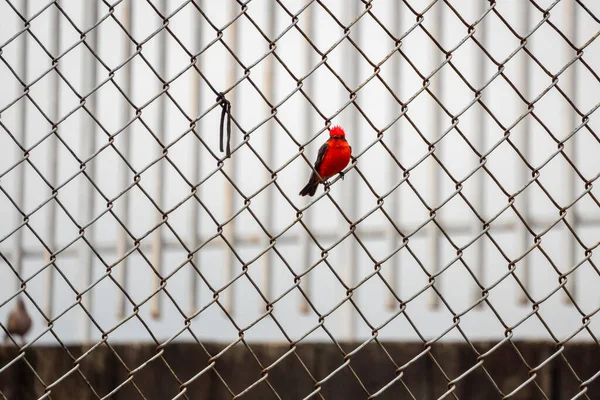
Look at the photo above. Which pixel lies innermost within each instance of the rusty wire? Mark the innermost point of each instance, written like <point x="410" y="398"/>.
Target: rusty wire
<point x="244" y="133"/>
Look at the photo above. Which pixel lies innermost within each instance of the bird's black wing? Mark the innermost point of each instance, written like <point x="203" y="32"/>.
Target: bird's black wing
<point x="314" y="180"/>
<point x="320" y="157"/>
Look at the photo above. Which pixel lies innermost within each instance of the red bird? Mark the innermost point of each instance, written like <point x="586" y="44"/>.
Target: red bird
<point x="333" y="157"/>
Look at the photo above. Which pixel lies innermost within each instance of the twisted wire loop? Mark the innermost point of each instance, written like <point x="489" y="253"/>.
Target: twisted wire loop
<point x="92" y="272"/>
<point x="225" y="114"/>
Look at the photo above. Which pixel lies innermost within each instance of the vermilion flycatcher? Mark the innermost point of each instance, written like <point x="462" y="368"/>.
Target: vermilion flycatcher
<point x="333" y="157"/>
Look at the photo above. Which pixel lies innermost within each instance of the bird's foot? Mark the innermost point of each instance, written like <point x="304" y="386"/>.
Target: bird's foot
<point x="326" y="184"/>
<point x="342" y="175"/>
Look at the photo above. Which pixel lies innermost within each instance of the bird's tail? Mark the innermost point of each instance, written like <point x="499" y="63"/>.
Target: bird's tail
<point x="311" y="187"/>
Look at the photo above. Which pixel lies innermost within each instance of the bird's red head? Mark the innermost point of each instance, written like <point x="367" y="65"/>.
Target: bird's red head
<point x="338" y="132"/>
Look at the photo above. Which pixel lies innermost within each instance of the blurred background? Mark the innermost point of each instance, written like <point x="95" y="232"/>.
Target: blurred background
<point x="473" y="125"/>
<point x="109" y="56"/>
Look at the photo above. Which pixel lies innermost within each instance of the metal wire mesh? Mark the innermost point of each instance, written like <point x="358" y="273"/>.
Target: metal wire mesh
<point x="97" y="137"/>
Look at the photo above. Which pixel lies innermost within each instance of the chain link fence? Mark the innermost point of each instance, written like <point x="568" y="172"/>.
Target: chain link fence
<point x="152" y="152"/>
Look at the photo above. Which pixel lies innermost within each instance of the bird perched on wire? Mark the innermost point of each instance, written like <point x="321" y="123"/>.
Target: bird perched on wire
<point x="19" y="321"/>
<point x="332" y="158"/>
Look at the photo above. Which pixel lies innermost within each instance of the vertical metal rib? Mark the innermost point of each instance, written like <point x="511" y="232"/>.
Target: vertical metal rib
<point x="229" y="230"/>
<point x="433" y="233"/>
<point x="568" y="84"/>
<point x="479" y="200"/>
<point x="195" y="105"/>
<point x="351" y="187"/>
<point x="124" y="178"/>
<point x="53" y="160"/>
<point x="157" y="239"/>
<point x="88" y="143"/>
<point x="524" y="173"/>
<point x="20" y="170"/>
<point x="269" y="79"/>
<point x="305" y="241"/>
<point x="395" y="144"/>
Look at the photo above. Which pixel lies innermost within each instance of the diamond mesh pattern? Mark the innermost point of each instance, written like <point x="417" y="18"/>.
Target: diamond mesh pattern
<point x="186" y="233"/>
